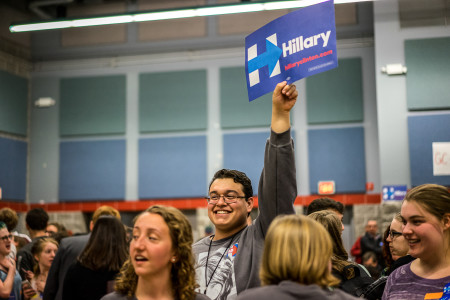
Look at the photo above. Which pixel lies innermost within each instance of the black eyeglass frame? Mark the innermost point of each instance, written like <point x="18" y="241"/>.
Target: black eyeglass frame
<point x="6" y="237"/>
<point x="393" y="234"/>
<point x="228" y="199"/>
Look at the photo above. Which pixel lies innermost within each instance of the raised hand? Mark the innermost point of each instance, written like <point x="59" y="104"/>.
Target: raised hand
<point x="284" y="96"/>
<point x="283" y="100"/>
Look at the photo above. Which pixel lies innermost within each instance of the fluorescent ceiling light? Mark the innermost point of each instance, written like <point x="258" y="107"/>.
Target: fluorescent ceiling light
<point x="201" y="11"/>
<point x="41" y="26"/>
<point x="290" y="4"/>
<point x="164" y="15"/>
<point x="101" y="21"/>
<point x="231" y="9"/>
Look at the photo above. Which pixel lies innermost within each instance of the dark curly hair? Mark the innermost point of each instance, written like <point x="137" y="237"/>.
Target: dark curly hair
<point x="9" y="217"/>
<point x="325" y="204"/>
<point x="37" y="219"/>
<point x="183" y="271"/>
<point x="238" y="177"/>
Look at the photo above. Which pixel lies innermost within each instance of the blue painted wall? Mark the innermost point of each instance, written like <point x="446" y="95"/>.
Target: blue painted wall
<point x="92" y="170"/>
<point x="422" y="132"/>
<point x="172" y="167"/>
<point x="13" y="169"/>
<point x="339" y="155"/>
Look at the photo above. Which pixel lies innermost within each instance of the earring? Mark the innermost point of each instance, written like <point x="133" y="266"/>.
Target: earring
<point x="173" y="259"/>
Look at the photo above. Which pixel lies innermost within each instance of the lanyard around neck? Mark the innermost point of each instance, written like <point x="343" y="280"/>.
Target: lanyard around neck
<point x="218" y="263"/>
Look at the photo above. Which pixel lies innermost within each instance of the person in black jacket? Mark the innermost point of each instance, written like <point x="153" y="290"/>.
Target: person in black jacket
<point x="353" y="277"/>
<point x="69" y="249"/>
<point x="92" y="275"/>
<point x="372" y="241"/>
<point x="36" y="223"/>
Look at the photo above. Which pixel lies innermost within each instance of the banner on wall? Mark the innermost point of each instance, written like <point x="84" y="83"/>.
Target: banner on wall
<point x="441" y="158"/>
<point x="297" y="45"/>
<point x="394" y="192"/>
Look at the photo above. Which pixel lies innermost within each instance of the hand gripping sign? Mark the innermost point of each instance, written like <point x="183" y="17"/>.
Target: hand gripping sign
<point x="297" y="45"/>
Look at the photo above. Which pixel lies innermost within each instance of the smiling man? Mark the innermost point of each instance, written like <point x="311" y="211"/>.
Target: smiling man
<point x="228" y="262"/>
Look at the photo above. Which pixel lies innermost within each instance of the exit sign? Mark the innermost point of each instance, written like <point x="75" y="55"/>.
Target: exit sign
<point x="326" y="188"/>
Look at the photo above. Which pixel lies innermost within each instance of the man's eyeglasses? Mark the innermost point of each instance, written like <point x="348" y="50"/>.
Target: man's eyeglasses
<point x="6" y="237"/>
<point x="228" y="198"/>
<point x="393" y="234"/>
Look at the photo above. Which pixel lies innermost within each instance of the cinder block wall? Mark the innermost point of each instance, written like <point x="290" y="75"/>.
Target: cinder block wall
<point x="383" y="213"/>
<point x="73" y="221"/>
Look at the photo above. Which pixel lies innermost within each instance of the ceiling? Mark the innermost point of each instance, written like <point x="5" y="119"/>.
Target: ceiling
<point x="412" y="12"/>
<point x="415" y="13"/>
<point x="52" y="9"/>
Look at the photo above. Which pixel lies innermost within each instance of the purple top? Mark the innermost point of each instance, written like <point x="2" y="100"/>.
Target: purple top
<point x="404" y="284"/>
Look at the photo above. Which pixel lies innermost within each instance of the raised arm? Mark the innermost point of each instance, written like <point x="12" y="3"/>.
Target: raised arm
<point x="278" y="184"/>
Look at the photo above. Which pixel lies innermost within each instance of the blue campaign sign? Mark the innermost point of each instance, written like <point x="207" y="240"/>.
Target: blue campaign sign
<point x="394" y="192"/>
<point x="297" y="45"/>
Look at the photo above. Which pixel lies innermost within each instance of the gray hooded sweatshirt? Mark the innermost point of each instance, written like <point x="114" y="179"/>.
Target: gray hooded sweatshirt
<point x="234" y="262"/>
<point x="289" y="290"/>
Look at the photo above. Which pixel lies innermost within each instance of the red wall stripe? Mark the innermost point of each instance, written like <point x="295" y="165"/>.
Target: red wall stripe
<point x="183" y="204"/>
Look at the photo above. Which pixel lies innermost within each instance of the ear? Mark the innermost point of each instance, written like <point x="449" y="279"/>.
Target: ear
<point x="249" y="203"/>
<point x="446" y="221"/>
<point x="91" y="226"/>
<point x="36" y="258"/>
<point x="174" y="253"/>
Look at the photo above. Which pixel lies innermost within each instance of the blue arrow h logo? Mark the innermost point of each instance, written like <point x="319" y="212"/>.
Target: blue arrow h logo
<point x="268" y="58"/>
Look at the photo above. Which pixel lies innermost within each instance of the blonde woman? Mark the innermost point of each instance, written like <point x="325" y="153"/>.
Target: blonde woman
<point x="296" y="262"/>
<point x="44" y="251"/>
<point x="161" y="263"/>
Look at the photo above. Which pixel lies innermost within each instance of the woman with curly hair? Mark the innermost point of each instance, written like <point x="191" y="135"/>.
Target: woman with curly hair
<point x="161" y="263"/>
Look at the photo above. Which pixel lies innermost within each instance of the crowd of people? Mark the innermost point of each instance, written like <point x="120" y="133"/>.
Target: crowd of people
<point x="277" y="255"/>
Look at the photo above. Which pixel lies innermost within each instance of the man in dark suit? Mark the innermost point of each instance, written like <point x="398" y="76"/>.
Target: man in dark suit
<point x="68" y="251"/>
<point x="372" y="241"/>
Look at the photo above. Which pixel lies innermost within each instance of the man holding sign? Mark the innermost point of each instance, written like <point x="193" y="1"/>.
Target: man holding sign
<point x="297" y="45"/>
<point x="228" y="262"/>
<point x="292" y="47"/>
